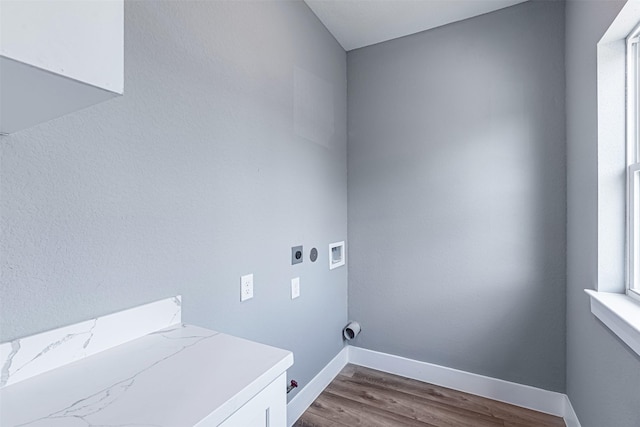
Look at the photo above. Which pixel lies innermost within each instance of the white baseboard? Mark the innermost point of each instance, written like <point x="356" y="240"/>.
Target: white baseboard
<point x="517" y="394"/>
<point x="525" y="396"/>
<point x="570" y="417"/>
<point x="306" y="396"/>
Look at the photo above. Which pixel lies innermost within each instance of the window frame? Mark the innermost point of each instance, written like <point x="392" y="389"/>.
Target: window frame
<point x="611" y="301"/>
<point x="633" y="162"/>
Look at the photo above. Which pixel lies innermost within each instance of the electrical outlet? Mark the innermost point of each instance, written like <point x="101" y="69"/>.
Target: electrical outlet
<point x="246" y="287"/>
<point x="295" y="288"/>
<point x="296" y="255"/>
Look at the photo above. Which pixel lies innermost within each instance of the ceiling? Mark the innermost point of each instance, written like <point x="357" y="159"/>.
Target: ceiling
<point x="359" y="23"/>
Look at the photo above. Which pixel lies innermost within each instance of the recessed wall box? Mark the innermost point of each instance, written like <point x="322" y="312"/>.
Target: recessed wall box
<point x="296" y="255"/>
<point x="337" y="255"/>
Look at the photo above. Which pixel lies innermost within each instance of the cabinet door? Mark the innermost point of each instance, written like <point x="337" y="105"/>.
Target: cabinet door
<point x="267" y="409"/>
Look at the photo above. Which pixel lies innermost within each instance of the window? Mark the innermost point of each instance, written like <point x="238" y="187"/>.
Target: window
<point x="633" y="163"/>
<point x="619" y="149"/>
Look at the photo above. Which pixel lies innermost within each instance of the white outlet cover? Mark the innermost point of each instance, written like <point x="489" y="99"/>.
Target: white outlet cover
<point x="295" y="288"/>
<point x="246" y="287"/>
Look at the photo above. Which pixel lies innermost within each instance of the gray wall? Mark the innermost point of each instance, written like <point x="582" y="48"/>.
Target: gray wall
<point x="206" y="170"/>
<point x="603" y="375"/>
<point x="197" y="175"/>
<point x="456" y="162"/>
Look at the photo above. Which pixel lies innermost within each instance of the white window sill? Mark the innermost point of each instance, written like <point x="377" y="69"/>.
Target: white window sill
<point x="620" y="313"/>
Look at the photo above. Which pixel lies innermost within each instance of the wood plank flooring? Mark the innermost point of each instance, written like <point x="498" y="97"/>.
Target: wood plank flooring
<point x="364" y="397"/>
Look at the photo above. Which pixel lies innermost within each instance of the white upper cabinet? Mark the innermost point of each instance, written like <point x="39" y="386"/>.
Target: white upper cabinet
<point x="58" y="56"/>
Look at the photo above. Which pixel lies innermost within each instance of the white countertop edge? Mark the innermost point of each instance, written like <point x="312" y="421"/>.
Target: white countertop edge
<point x="236" y="402"/>
<point x="619" y="313"/>
<point x="162" y="354"/>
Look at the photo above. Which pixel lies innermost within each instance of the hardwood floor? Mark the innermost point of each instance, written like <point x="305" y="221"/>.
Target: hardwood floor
<point x="364" y="397"/>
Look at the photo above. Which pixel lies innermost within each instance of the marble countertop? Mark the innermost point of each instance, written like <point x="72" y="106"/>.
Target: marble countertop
<point x="180" y="376"/>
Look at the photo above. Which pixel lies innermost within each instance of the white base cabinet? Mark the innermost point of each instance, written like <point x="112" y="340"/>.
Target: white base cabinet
<point x="267" y="409"/>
